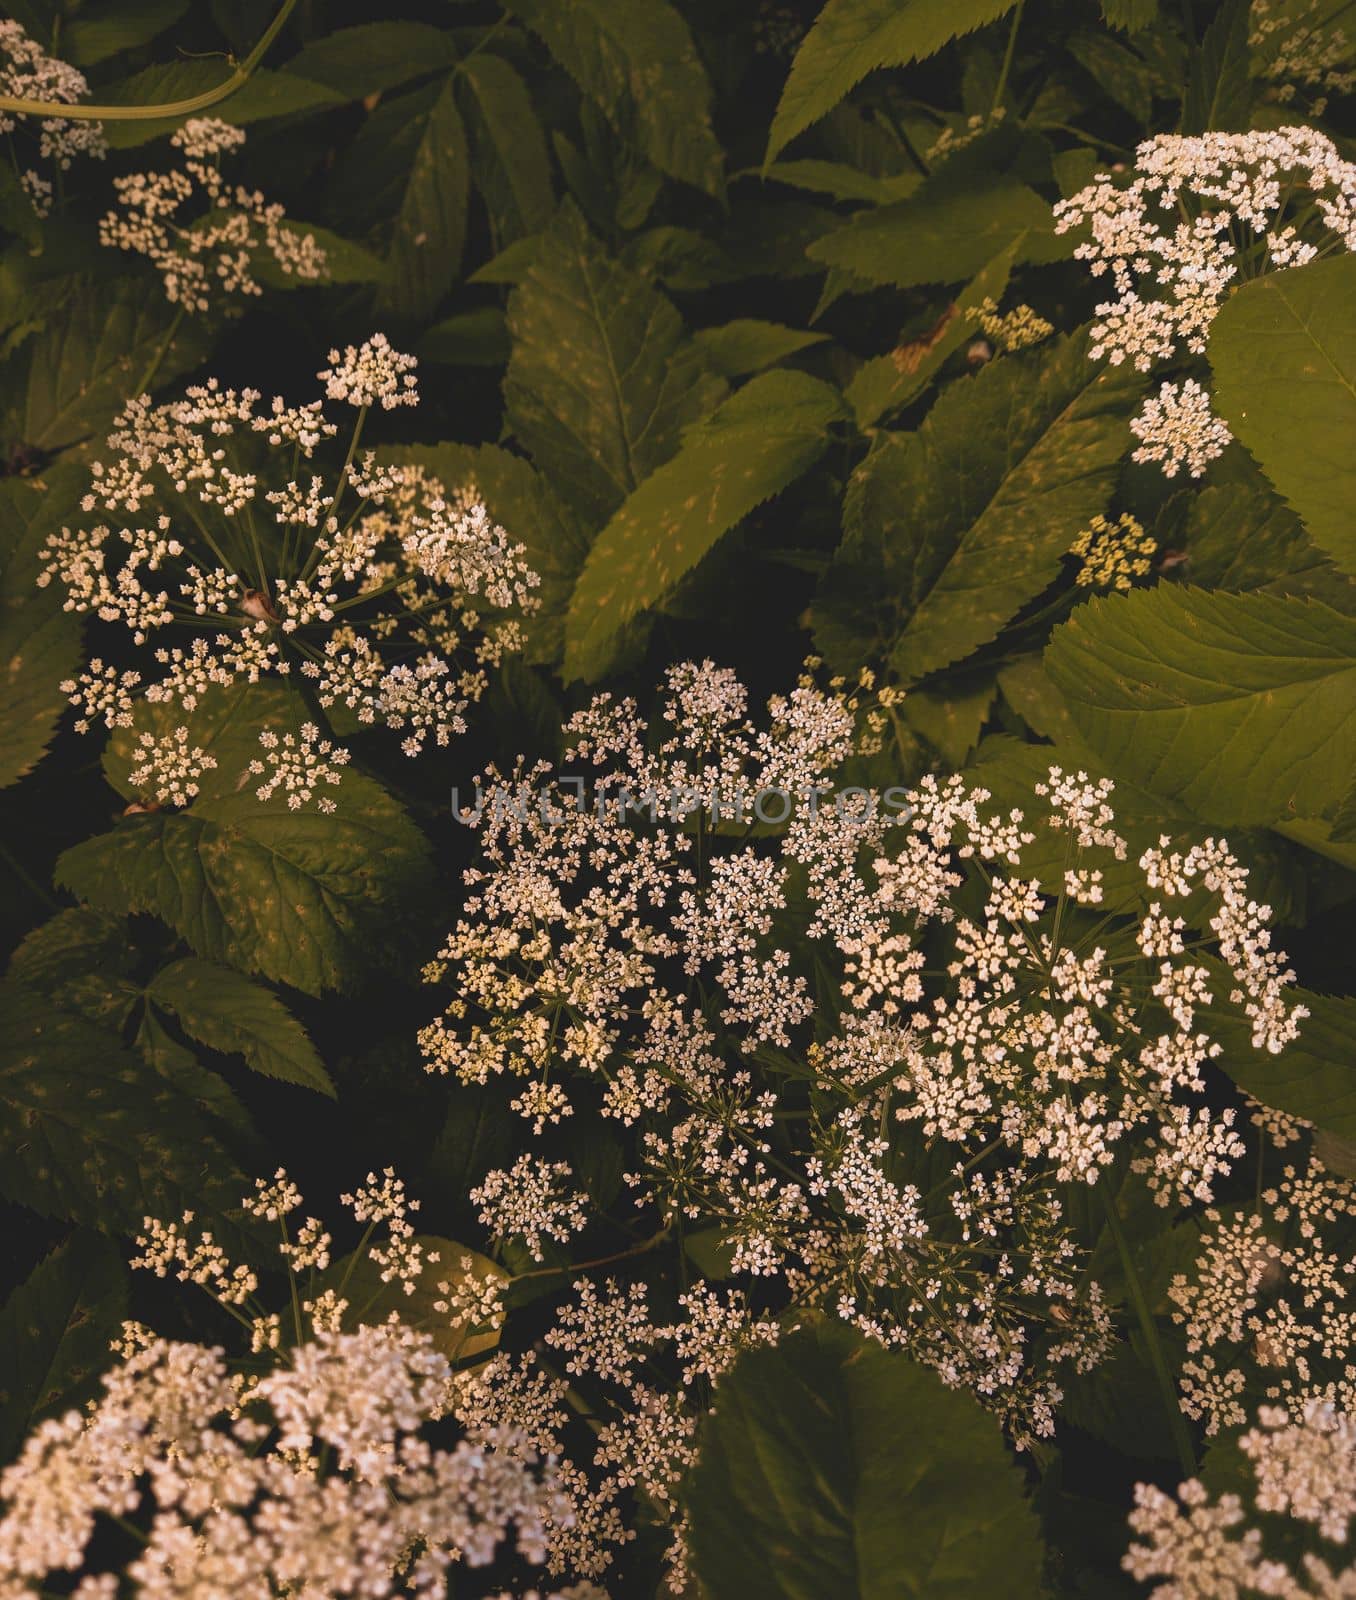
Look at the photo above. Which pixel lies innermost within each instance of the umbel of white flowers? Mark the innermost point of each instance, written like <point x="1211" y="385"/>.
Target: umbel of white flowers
<point x="390" y="594"/>
<point x="1198" y="215"/>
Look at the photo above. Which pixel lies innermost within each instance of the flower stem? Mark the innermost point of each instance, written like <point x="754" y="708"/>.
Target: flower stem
<point x="1003" y="71"/>
<point x="1186" y="1455"/>
<point x="171" y="108"/>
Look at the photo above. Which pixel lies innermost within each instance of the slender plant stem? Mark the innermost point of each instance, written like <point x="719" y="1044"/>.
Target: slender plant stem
<point x="170" y="108"/>
<point x="1176" y="1421"/>
<point x="148" y="377"/>
<point x="1003" y="71"/>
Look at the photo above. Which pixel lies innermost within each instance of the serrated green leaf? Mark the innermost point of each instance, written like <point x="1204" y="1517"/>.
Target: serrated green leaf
<point x="228" y="1012"/>
<point x="1240" y="706"/>
<point x="1219" y="89"/>
<point x="1131" y="16"/>
<point x="82" y="960"/>
<point x="831" y="1466"/>
<point x="759" y="441"/>
<point x="944" y="233"/>
<point x="951" y="722"/>
<point x="374" y="57"/>
<point x="748" y="345"/>
<point x="55" y="1331"/>
<point x="267" y="93"/>
<point x="1283" y="352"/>
<point x="1240" y="537"/>
<point x="601" y="382"/>
<point x="950" y="530"/>
<point x="1123" y="76"/>
<point x="90" y="1133"/>
<point x="424" y="259"/>
<point x="891" y="381"/>
<point x="39" y="642"/>
<point x="513" y="169"/>
<point x="853" y="37"/>
<point x="101" y="31"/>
<point x="297" y="896"/>
<point x="76" y="374"/>
<point x="638" y="64"/>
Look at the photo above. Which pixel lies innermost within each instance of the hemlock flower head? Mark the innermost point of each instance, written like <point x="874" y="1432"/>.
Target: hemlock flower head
<point x="217" y="538"/>
<point x="1200" y="214"/>
<point x="1217" y="1547"/>
<point x="204" y="236"/>
<point x="629" y="949"/>
<point x="27" y="72"/>
<point x="1113" y="554"/>
<point x="308" y="1468"/>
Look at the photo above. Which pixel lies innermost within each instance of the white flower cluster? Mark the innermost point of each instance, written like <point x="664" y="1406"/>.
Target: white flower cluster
<point x="647" y="1433"/>
<point x="1267" y="1307"/>
<point x="606" y="959"/>
<point x="203" y="236"/>
<point x="27" y="72"/>
<point x="1209" y="1548"/>
<point x="371" y="581"/>
<point x="310" y="1473"/>
<point x="1301" y="45"/>
<point x="1199" y="215"/>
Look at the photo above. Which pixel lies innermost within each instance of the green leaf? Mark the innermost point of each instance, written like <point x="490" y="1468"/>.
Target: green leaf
<point x="755" y="444"/>
<point x="1311" y="1078"/>
<point x="513" y="168"/>
<point x="82" y="960"/>
<point x="523" y="503"/>
<point x="104" y="30"/>
<point x="951" y="529"/>
<point x="951" y="722"/>
<point x="748" y="345"/>
<point x="55" y="1331"/>
<point x="944" y="233"/>
<point x="265" y="94"/>
<point x="891" y="381"/>
<point x="430" y="226"/>
<point x="1119" y="73"/>
<point x="77" y="373"/>
<point x="374" y="57"/>
<point x="1131" y="16"/>
<point x="39" y="642"/>
<point x="638" y="64"/>
<point x="477" y="338"/>
<point x="1283" y="352"/>
<point x="297" y="896"/>
<point x="1241" y="537"/>
<point x="833" y="1467"/>
<point x="853" y="37"/>
<point x="842" y="181"/>
<point x="228" y="1012"/>
<point x="1219" y="90"/>
<point x="600" y="383"/>
<point x="1240" y="706"/>
<point x="91" y="1133"/>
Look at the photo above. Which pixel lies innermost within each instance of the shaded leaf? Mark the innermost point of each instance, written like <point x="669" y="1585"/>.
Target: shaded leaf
<point x="267" y="93"/>
<point x="638" y="64"/>
<point x="853" y="37"/>
<point x="39" y="642"/>
<point x="374" y="57"/>
<point x="228" y="1012"/>
<point x="55" y="1331"/>
<point x="746" y="345"/>
<point x="831" y="1466"/>
<point x="424" y="258"/>
<point x="760" y="440"/>
<point x="91" y="1133"/>
<point x="950" y="530"/>
<point x="601" y="382"/>
<point x="297" y="896"/>
<point x="512" y="165"/>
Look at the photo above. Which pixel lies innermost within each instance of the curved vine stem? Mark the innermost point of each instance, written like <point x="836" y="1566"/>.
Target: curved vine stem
<point x="171" y="108"/>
